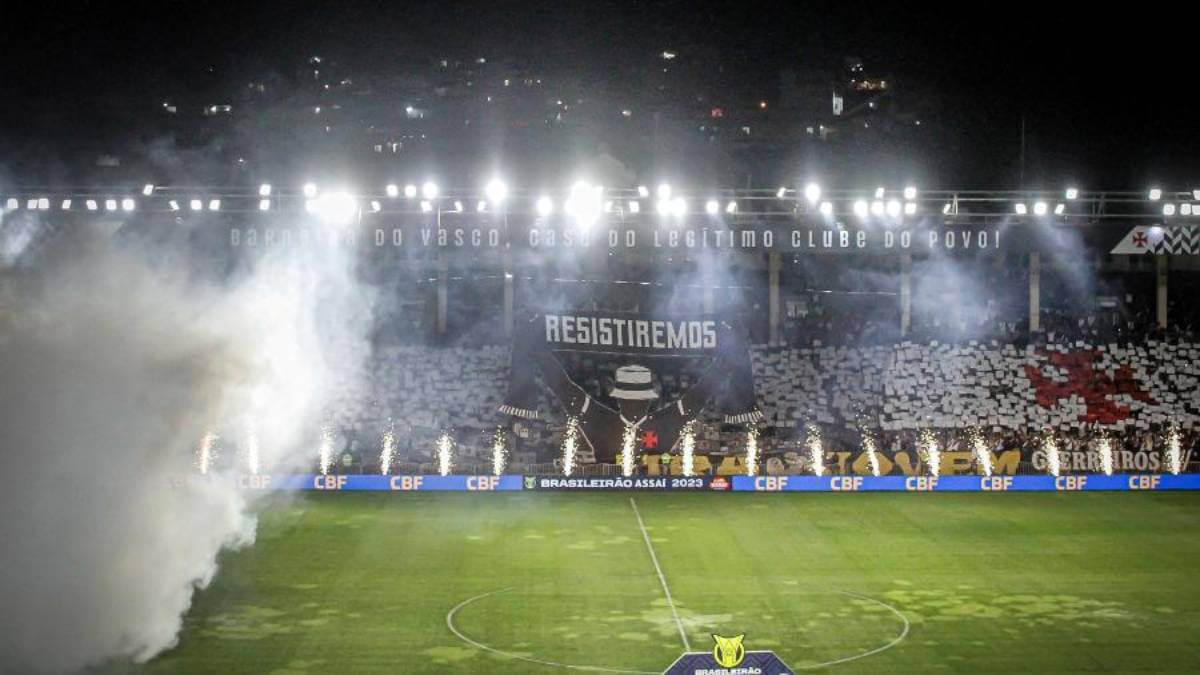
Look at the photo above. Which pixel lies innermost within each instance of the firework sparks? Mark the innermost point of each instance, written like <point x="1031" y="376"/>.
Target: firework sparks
<point x="206" y="454"/>
<point x="499" y="452"/>
<point x="816" y="452"/>
<point x="868" y="441"/>
<point x="752" y="452"/>
<point x="325" y="452"/>
<point x="445" y="454"/>
<point x="1053" y="459"/>
<point x="1174" y="456"/>
<point x="930" y="453"/>
<point x="628" y="439"/>
<point x="1104" y="446"/>
<point x="569" y="445"/>
<point x="687" y="459"/>
<point x="251" y="450"/>
<point x="387" y="450"/>
<point x="980" y="447"/>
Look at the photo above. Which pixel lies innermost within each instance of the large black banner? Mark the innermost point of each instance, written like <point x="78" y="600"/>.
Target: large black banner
<point x="631" y="411"/>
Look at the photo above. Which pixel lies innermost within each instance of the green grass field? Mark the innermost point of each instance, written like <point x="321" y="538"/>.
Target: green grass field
<point x="1045" y="582"/>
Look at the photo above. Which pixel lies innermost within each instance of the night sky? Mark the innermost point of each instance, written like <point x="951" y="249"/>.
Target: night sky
<point x="1107" y="94"/>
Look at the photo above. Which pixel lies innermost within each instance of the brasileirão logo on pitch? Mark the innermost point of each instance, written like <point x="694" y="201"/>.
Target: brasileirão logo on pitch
<point x="729" y="657"/>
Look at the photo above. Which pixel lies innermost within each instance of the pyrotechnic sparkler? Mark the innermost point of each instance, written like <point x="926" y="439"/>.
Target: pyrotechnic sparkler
<point x="816" y="452"/>
<point x="569" y="445"/>
<point x="628" y="443"/>
<point x="868" y="441"/>
<point x="752" y="452"/>
<point x="930" y="452"/>
<point x="206" y="454"/>
<point x="1104" y="446"/>
<point x="325" y="452"/>
<point x="1053" y="460"/>
<point x="982" y="455"/>
<point x="387" y="449"/>
<point x="445" y="450"/>
<point x="687" y="449"/>
<point x="251" y="449"/>
<point x="499" y="451"/>
<point x="1174" y="456"/>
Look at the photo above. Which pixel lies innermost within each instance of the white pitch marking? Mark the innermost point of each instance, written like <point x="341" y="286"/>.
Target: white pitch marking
<point x="666" y="591"/>
<point x="542" y="662"/>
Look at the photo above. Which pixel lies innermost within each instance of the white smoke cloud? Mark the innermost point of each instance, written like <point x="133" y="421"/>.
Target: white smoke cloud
<point x="112" y="368"/>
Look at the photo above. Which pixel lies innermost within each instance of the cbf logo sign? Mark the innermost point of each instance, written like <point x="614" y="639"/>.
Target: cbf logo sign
<point x="729" y="657"/>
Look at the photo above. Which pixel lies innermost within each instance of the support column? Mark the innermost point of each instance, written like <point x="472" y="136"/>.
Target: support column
<point x="443" y="281"/>
<point x="508" y="295"/>
<point x="1035" y="292"/>
<point x="1161" y="267"/>
<point x="905" y="293"/>
<point x="774" y="264"/>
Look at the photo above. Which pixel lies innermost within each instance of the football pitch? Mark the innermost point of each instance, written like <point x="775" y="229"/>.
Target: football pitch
<point x="537" y="582"/>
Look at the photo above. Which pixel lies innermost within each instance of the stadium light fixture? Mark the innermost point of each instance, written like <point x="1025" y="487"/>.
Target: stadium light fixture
<point x="712" y="207"/>
<point x="109" y="205"/>
<point x="44" y="204"/>
<point x="544" y="206"/>
<point x="860" y="208"/>
<point x="376" y="207"/>
<point x="663" y="207"/>
<point x="335" y="208"/>
<point x="643" y="191"/>
<point x="910" y="193"/>
<point x="664" y="191"/>
<point x="426" y="207"/>
<point x="429" y="190"/>
<point x="1060" y="209"/>
<point x="392" y="190"/>
<point x="879" y="192"/>
<point x="264" y="190"/>
<point x="410" y="191"/>
<point x="173" y="204"/>
<point x="1168" y="209"/>
<point x="1196" y="195"/>
<point x="66" y="205"/>
<point x="264" y="205"/>
<point x="1185" y="209"/>
<point x="91" y="204"/>
<point x="946" y="208"/>
<point x="812" y="192"/>
<point x="635" y="206"/>
<point x="1155" y="194"/>
<point x="893" y="208"/>
<point x="12" y="204"/>
<point x="214" y="205"/>
<point x="877" y="208"/>
<point x="127" y="204"/>
<point x="731" y="207"/>
<point x="481" y="207"/>
<point x="458" y="206"/>
<point x="496" y="191"/>
<point x="1021" y="209"/>
<point x="310" y="190"/>
<point x="826" y="209"/>
<point x="781" y="192"/>
<point x="1072" y="193"/>
<point x="679" y="207"/>
<point x="148" y="189"/>
<point x="910" y="208"/>
<point x="1039" y="208"/>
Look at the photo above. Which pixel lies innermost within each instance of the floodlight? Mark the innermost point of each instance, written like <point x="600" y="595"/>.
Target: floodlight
<point x="109" y="205"/>
<point x="392" y="190"/>
<point x="781" y="192"/>
<point x="1155" y="194"/>
<point x="910" y="208"/>
<point x="335" y="208"/>
<point x="429" y="190"/>
<point x="1039" y="208"/>
<point x="310" y="190"/>
<point x="879" y="192"/>
<point x="1072" y="193"/>
<point x="1168" y="209"/>
<point x="679" y="207"/>
<point x="712" y="207"/>
<point x="664" y="191"/>
<point x="635" y="206"/>
<point x="826" y="209"/>
<point x="1021" y="209"/>
<point x="643" y="191"/>
<point x="91" y="205"/>
<point x="214" y="205"/>
<point x="544" y="206"/>
<point x="426" y="207"/>
<point x="877" y="208"/>
<point x="812" y="192"/>
<point x="496" y="191"/>
<point x="264" y="205"/>
<point x="66" y="205"/>
<point x="731" y="207"/>
<point x="148" y="189"/>
<point x="264" y="190"/>
<point x="910" y="193"/>
<point x="410" y="191"/>
<point x="893" y="208"/>
<point x="376" y="207"/>
<point x="1059" y="209"/>
<point x="860" y="208"/>
<point x="127" y="204"/>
